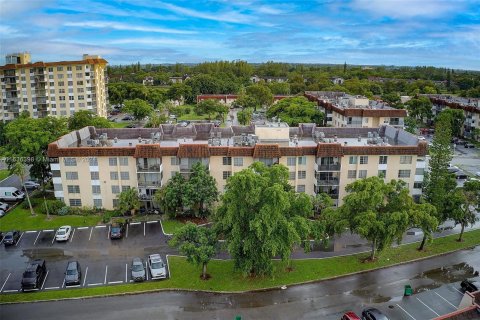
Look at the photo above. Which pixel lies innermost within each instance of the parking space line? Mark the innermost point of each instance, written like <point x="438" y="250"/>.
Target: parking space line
<point x="74" y="286"/>
<point x="146" y="270"/>
<point x="126" y="272"/>
<point x="85" y="277"/>
<point x="95" y="284"/>
<point x="428" y="307"/>
<point x="63" y="283"/>
<point x="101" y="226"/>
<point x="19" y="239"/>
<point x="458" y="290"/>
<point x="49" y="230"/>
<point x="144" y="229"/>
<point x="115" y="282"/>
<point x="134" y="223"/>
<point x="406" y="312"/>
<point x="73" y="233"/>
<point x="32" y="231"/>
<point x="91" y="230"/>
<point x="54" y="236"/>
<point x="38" y="235"/>
<point x="152" y="221"/>
<point x="5" y="282"/>
<point x="82" y="228"/>
<point x="126" y="234"/>
<point x="1" y="241"/>
<point x="45" y="279"/>
<point x="445" y="300"/>
<point x="51" y="288"/>
<point x="108" y="234"/>
<point x="11" y="290"/>
<point x="106" y="271"/>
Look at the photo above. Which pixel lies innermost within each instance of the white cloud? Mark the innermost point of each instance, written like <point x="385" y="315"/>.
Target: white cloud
<point x="123" y="26"/>
<point x="194" y="44"/>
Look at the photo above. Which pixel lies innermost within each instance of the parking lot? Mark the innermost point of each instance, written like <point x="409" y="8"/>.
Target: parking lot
<point x="103" y="261"/>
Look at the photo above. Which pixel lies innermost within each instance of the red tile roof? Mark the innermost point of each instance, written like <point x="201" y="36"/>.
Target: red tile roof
<point x="266" y="151"/>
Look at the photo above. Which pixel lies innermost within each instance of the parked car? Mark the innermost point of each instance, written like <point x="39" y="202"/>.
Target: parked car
<point x="2" y="213"/>
<point x="31" y="185"/>
<point x="117" y="230"/>
<point x="137" y="270"/>
<point x="131" y="126"/>
<point x="73" y="274"/>
<point x="157" y="267"/>
<point x="453" y="169"/>
<point x="4" y="206"/>
<point x="350" y="316"/>
<point x="11" y="238"/>
<point x="11" y="194"/>
<point x="421" y="138"/>
<point x="63" y="233"/>
<point x="373" y="314"/>
<point x="468" y="145"/>
<point x="127" y="118"/>
<point x="34" y="275"/>
<point x="470" y="286"/>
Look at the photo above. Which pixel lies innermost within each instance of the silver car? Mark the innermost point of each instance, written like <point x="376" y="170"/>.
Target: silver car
<point x="157" y="267"/>
<point x="138" y="270"/>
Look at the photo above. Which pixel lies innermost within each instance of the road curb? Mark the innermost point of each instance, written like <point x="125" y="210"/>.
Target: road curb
<point x="279" y="287"/>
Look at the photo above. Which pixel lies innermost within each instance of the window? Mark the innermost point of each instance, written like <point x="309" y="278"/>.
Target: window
<point x="363" y="159"/>
<point x="93" y="161"/>
<point x="125" y="188"/>
<point x="61" y="83"/>
<point x="73" y="189"/>
<point x="71" y="175"/>
<point x="418" y="185"/>
<point x="301" y="188"/>
<point x="123" y="161"/>
<point x="174" y="161"/>
<point x="419" y="171"/>
<point x="226" y="174"/>
<point x="383" y="160"/>
<point x="79" y="83"/>
<point x="69" y="162"/>
<point x="291" y="161"/>
<point x="75" y="202"/>
<point x="94" y="175"/>
<point x="362" y="174"/>
<point x="115" y="203"/>
<point x="227" y="161"/>
<point x="70" y="83"/>
<point x="115" y="189"/>
<point x="291" y="175"/>
<point x="124" y="175"/>
<point x="78" y="68"/>
<point x="352" y="160"/>
<point x="60" y="76"/>
<point x="50" y="69"/>
<point x="71" y="98"/>
<point x="69" y="68"/>
<point x="113" y="175"/>
<point x="404" y="173"/>
<point x="405" y="159"/>
<point x="302" y="174"/>
<point x="382" y="173"/>
<point x="97" y="203"/>
<point x="352" y="174"/>
<point x="302" y="160"/>
<point x="112" y="162"/>
<point x="96" y="189"/>
<point x="238" y="162"/>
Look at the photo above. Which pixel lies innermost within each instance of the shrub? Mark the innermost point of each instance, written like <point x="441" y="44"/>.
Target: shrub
<point x="63" y="211"/>
<point x="35" y="203"/>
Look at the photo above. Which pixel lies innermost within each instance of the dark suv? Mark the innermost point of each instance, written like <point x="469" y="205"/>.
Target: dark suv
<point x="73" y="274"/>
<point x="11" y="238"/>
<point x="34" y="275"/>
<point x="117" y="230"/>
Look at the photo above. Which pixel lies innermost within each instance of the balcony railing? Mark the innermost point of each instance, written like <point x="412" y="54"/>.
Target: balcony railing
<point x="328" y="167"/>
<point x="151" y="168"/>
<point x="149" y="183"/>
<point x="328" y="182"/>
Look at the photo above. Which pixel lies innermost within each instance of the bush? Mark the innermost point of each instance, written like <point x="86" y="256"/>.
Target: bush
<point x="35" y="203"/>
<point x="53" y="207"/>
<point x="63" y="211"/>
<point x="108" y="215"/>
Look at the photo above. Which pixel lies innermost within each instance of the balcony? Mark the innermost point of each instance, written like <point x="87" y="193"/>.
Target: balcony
<point x="327" y="167"/>
<point x="327" y="182"/>
<point x="150" y="168"/>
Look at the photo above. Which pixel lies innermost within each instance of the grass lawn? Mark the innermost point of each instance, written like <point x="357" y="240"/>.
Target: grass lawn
<point x="21" y="219"/>
<point x="120" y="124"/>
<point x="171" y="226"/>
<point x="187" y="276"/>
<point x="3" y="174"/>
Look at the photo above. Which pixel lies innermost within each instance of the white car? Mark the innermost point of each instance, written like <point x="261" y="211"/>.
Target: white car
<point x="63" y="233"/>
<point x="31" y="185"/>
<point x="3" y="206"/>
<point x="477" y="174"/>
<point x="2" y="213"/>
<point x="421" y="138"/>
<point x="157" y="267"/>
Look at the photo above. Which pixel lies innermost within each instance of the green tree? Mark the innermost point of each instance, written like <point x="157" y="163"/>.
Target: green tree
<point x="321" y="202"/>
<point x="178" y="91"/>
<point x="245" y="101"/>
<point x="138" y="108"/>
<point x="156" y="120"/>
<point x="261" y="217"/>
<point x="211" y="107"/>
<point x="296" y="110"/>
<point x="197" y="243"/>
<point x="423" y="216"/>
<point x="245" y="116"/>
<point x="170" y="196"/>
<point x="411" y="125"/>
<point x="18" y="168"/>
<point x="261" y="94"/>
<point x="200" y="190"/>
<point x="393" y="99"/>
<point x="473" y="187"/>
<point x="420" y="108"/>
<point x="457" y="118"/>
<point x="128" y="201"/>
<point x="376" y="211"/>
<point x="86" y="118"/>
<point x="462" y="210"/>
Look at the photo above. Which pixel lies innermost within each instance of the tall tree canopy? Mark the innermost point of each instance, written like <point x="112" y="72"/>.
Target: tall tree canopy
<point x="138" y="108"/>
<point x="261" y="94"/>
<point x="420" y="108"/>
<point x="296" y="110"/>
<point x="211" y="107"/>
<point x="200" y="190"/>
<point x="85" y="118"/>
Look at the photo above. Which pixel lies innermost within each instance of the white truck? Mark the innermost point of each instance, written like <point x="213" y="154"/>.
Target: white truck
<point x="11" y="194"/>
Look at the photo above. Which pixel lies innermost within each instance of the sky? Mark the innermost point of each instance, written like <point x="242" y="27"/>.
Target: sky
<point x="362" y="32"/>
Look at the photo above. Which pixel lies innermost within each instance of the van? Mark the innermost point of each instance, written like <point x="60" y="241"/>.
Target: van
<point x="11" y="194"/>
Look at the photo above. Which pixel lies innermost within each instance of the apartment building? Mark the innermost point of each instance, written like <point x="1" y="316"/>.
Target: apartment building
<point x="92" y="166"/>
<point x="52" y="88"/>
<point x="344" y="110"/>
<point x="470" y="107"/>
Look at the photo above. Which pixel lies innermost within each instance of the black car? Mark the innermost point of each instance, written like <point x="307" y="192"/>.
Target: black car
<point x="127" y="118"/>
<point x="470" y="286"/>
<point x="73" y="274"/>
<point x="468" y="145"/>
<point x="117" y="230"/>
<point x="34" y="275"/>
<point x="11" y="238"/>
<point x="373" y="314"/>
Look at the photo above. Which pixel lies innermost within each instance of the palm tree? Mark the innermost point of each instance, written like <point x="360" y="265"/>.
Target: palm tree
<point x="128" y="201"/>
<point x="18" y="168"/>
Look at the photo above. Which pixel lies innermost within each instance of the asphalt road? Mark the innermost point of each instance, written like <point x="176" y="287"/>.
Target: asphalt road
<point x="435" y="281"/>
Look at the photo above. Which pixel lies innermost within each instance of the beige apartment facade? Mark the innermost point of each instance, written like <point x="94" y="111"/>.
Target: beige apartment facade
<point x="92" y="166"/>
<point x="52" y="88"/>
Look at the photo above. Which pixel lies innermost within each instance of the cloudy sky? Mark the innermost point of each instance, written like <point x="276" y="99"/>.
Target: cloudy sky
<point x="391" y="32"/>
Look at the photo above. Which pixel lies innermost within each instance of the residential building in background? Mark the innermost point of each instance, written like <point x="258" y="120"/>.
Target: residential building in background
<point x="52" y="88"/>
<point x="92" y="166"/>
<point x="470" y="107"/>
<point x="344" y="110"/>
<point x="228" y="99"/>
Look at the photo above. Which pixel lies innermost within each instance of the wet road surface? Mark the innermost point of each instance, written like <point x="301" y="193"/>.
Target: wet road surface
<point x="436" y="282"/>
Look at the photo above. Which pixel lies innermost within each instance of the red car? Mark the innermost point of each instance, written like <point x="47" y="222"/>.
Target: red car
<point x="350" y="316"/>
